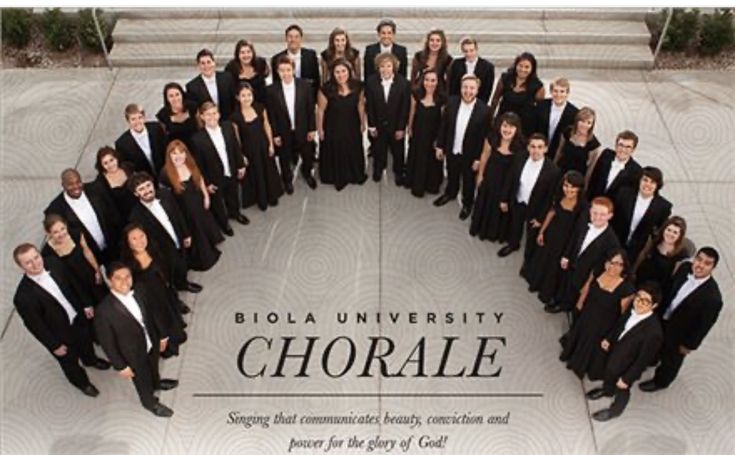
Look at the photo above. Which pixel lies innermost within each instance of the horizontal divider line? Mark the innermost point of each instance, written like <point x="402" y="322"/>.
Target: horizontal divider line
<point x="369" y="395"/>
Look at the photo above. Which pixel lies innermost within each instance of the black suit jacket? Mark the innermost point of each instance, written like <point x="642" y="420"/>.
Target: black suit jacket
<point x="196" y="90"/>
<point x="309" y="68"/>
<point x="543" y="191"/>
<point x="208" y="159"/>
<point x="656" y="215"/>
<point x="629" y="357"/>
<point x="41" y="313"/>
<point x="475" y="133"/>
<point x="107" y="215"/>
<point x="155" y="230"/>
<point x="372" y="51"/>
<point x="303" y="111"/>
<point x="629" y="176"/>
<point x="131" y="152"/>
<point x="484" y="70"/>
<point x="121" y="336"/>
<point x="694" y="317"/>
<point x="581" y="265"/>
<point x="388" y="116"/>
<point x="542" y="117"/>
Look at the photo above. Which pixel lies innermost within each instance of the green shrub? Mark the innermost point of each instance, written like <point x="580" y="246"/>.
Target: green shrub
<point x="716" y="32"/>
<point x="682" y="29"/>
<point x="88" y="31"/>
<point x="16" y="26"/>
<point x="59" y="29"/>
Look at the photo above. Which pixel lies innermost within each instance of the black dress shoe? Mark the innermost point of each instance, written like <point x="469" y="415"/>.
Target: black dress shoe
<point x="311" y="182"/>
<point x="168" y="384"/>
<point x="441" y="200"/>
<point x="604" y="415"/>
<point x="90" y="391"/>
<point x="100" y="364"/>
<point x="553" y="309"/>
<point x="649" y="386"/>
<point x="465" y="213"/>
<point x="288" y="186"/>
<point x="161" y="410"/>
<point x="228" y="231"/>
<point x="242" y="219"/>
<point x="194" y="288"/>
<point x="506" y="250"/>
<point x="596" y="394"/>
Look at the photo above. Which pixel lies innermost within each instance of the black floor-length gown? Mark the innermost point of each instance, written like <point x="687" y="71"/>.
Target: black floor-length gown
<point x="424" y="173"/>
<point x="542" y="270"/>
<point x="182" y="131"/>
<point x="522" y="103"/>
<point x="488" y="221"/>
<point x="341" y="155"/>
<point x="262" y="184"/>
<point x="257" y="82"/>
<point x="582" y="351"/>
<point x="575" y="157"/>
<point x="205" y="233"/>
<point x="123" y="198"/>
<point x="658" y="267"/>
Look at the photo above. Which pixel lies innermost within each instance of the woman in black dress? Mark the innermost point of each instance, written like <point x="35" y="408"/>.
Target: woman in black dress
<point x="578" y="147"/>
<point x="541" y="270"/>
<point x="489" y="221"/>
<point x="434" y="56"/>
<point x="71" y="248"/>
<point x="152" y="272"/>
<point x="424" y="173"/>
<point x="182" y="175"/>
<point x="339" y="47"/>
<point x="112" y="176"/>
<point x="341" y="123"/>
<point x="262" y="184"/>
<point x="603" y="299"/>
<point x="178" y="116"/>
<point x="246" y="66"/>
<point x="518" y="90"/>
<point x="663" y="252"/>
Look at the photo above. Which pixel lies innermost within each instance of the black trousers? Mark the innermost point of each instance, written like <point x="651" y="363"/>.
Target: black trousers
<point x="225" y="202"/>
<point x="380" y="145"/>
<point x="289" y="153"/>
<point x="621" y="397"/>
<point x="147" y="378"/>
<point x="519" y="223"/>
<point x="180" y="269"/>
<point x="668" y="369"/>
<point x="79" y="348"/>
<point x="458" y="167"/>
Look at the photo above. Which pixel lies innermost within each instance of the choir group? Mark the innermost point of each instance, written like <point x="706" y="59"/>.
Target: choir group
<point x="600" y="242"/>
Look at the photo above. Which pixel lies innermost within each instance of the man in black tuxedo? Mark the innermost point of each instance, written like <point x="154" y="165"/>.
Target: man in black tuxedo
<point x="592" y="238"/>
<point x="471" y="63"/>
<point x="533" y="181"/>
<point x="159" y="215"/>
<point x="306" y="64"/>
<point x="639" y="214"/>
<point x="613" y="170"/>
<point x="292" y="119"/>
<point x="212" y="85"/>
<point x="386" y="44"/>
<point x="219" y="156"/>
<point x="555" y="115"/>
<point x="632" y="343"/>
<point x="133" y="338"/>
<point x="387" y="102"/>
<point x="143" y="145"/>
<point x="55" y="316"/>
<point x="689" y="311"/>
<point x="462" y="133"/>
<point x="86" y="207"/>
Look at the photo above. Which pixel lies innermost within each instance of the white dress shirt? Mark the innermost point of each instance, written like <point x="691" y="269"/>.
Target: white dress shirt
<point x="463" y="118"/>
<point x="384" y="49"/>
<point x="133" y="308"/>
<point x="157" y="211"/>
<point x="641" y="206"/>
<point x="297" y="62"/>
<point x="47" y="282"/>
<point x="689" y="286"/>
<point x="554" y="118"/>
<point x="289" y="95"/>
<point x="211" y="84"/>
<point x="633" y="320"/>
<point x="82" y="208"/>
<point x="386" y="83"/>
<point x="470" y="66"/>
<point x="592" y="233"/>
<point x="616" y="167"/>
<point x="218" y="139"/>
<point x="529" y="176"/>
<point x="144" y="143"/>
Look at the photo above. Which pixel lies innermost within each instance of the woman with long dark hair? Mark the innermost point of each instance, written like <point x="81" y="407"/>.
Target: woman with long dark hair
<point x="662" y="254"/>
<point x="247" y="67"/>
<point x="518" y="90"/>
<point x="339" y="47"/>
<point x="434" y="55"/>
<point x="112" y="176"/>
<point x="178" y="114"/>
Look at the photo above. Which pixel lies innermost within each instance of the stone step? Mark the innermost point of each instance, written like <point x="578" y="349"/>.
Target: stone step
<point x="411" y="31"/>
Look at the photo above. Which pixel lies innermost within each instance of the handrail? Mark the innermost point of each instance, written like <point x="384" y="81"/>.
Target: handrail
<point x="102" y="38"/>
<point x="663" y="35"/>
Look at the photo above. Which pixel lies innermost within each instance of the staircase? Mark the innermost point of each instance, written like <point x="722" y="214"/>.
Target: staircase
<point x="559" y="38"/>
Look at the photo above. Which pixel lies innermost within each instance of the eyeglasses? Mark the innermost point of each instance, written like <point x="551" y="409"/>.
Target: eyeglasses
<point x="644" y="300"/>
